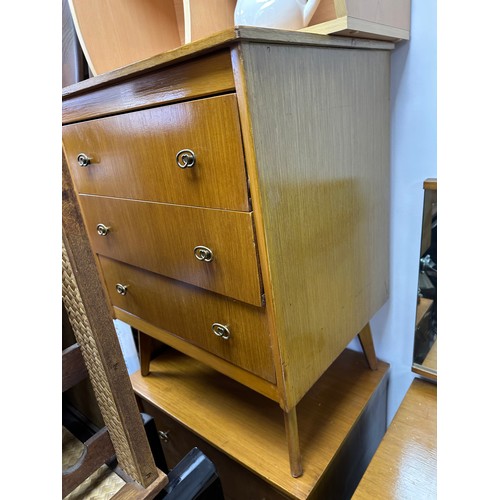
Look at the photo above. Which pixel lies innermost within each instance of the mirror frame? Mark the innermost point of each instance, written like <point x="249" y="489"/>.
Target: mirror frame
<point x="428" y="368"/>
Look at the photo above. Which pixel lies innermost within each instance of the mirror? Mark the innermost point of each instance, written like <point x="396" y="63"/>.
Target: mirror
<point x="425" y="343"/>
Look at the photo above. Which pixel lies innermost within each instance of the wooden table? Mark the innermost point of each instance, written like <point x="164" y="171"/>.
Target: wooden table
<point x="404" y="466"/>
<point x="342" y="420"/>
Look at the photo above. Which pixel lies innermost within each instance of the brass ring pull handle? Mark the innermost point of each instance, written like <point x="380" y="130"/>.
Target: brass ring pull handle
<point x="102" y="230"/>
<point x="221" y="331"/>
<point x="121" y="289"/>
<point x="185" y="158"/>
<point x="83" y="160"/>
<point x="203" y="253"/>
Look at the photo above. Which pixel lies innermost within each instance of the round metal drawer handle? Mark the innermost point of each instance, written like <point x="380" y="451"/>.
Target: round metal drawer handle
<point x="221" y="331"/>
<point x="185" y="158"/>
<point x="203" y="253"/>
<point x="121" y="289"/>
<point x="83" y="160"/>
<point x="102" y="230"/>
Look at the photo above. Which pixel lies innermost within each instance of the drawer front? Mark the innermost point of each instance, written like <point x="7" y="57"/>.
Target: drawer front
<point x="134" y="155"/>
<point x="190" y="313"/>
<point x="213" y="249"/>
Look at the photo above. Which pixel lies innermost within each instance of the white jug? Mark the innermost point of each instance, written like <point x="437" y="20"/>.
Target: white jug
<point x="282" y="14"/>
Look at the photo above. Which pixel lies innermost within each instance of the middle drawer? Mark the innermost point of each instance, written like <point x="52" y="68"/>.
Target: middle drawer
<point x="210" y="248"/>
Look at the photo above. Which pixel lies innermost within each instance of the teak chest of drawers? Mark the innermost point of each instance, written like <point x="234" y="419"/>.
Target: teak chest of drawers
<point x="236" y="195"/>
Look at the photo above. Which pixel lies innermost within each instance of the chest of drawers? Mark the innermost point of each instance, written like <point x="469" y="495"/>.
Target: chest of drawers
<point x="236" y="194"/>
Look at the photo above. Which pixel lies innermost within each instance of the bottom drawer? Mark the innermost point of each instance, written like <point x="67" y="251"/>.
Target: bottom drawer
<point x="191" y="313"/>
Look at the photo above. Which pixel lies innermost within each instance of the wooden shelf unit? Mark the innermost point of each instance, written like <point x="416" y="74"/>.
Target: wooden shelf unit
<point x="113" y="34"/>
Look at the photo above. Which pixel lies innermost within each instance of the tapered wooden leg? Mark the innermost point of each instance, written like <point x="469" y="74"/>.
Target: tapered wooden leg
<point x="292" y="436"/>
<point x="145" y="349"/>
<point x="366" y="340"/>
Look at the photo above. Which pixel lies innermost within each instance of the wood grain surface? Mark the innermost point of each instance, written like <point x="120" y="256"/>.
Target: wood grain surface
<point x="161" y="238"/>
<point x="387" y="17"/>
<point x="215" y="42"/>
<point x="189" y="312"/>
<point x="394" y="13"/>
<point x="200" y="77"/>
<point x="206" y="17"/>
<point x="134" y="155"/>
<point x="404" y="466"/>
<point x="322" y="190"/>
<point x="250" y="428"/>
<point x="113" y="34"/>
<point x="248" y="379"/>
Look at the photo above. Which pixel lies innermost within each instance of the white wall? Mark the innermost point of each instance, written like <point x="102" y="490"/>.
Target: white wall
<point x="413" y="159"/>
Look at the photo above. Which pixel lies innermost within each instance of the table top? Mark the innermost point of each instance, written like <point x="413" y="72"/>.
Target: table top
<point x="404" y="465"/>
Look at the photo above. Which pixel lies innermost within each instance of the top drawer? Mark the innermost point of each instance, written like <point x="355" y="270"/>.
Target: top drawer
<point x="135" y="155"/>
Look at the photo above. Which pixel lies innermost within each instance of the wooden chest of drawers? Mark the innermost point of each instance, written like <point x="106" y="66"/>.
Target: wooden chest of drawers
<point x="236" y="194"/>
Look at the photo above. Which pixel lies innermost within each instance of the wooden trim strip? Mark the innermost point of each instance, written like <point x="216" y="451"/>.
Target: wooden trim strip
<point x="353" y="27"/>
<point x="194" y="79"/>
<point x="303" y="38"/>
<point x="252" y="172"/>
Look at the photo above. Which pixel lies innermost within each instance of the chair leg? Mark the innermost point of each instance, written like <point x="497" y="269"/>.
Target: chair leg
<point x="292" y="437"/>
<point x="195" y="476"/>
<point x="366" y="340"/>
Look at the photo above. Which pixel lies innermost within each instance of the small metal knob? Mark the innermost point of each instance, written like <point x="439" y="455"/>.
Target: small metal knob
<point x="121" y="289"/>
<point x="221" y="330"/>
<point x="102" y="230"/>
<point x="185" y="158"/>
<point x="83" y="160"/>
<point x="164" y="435"/>
<point x="203" y="253"/>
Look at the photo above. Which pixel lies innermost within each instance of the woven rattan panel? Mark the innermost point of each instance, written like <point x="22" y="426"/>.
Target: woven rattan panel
<point x="84" y="336"/>
<point x="103" y="484"/>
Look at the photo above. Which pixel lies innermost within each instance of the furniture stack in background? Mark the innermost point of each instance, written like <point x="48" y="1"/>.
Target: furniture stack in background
<point x="114" y="33"/>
